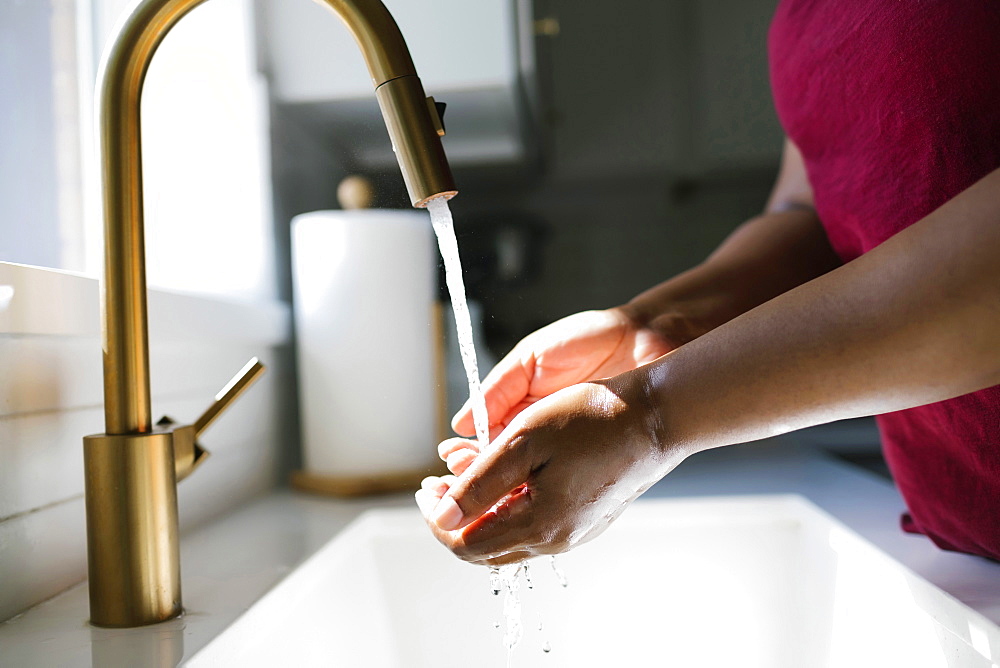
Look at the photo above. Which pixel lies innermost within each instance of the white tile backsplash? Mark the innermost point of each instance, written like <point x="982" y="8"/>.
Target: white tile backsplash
<point x="42" y="456"/>
<point x="43" y="373"/>
<point x="48" y="302"/>
<point x="41" y="554"/>
<point x="43" y="546"/>
<point x="51" y="396"/>
<point x="49" y="373"/>
<point x="42" y="453"/>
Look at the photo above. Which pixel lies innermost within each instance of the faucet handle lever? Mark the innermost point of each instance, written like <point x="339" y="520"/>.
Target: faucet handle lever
<point x="234" y="388"/>
<point x="436" y="110"/>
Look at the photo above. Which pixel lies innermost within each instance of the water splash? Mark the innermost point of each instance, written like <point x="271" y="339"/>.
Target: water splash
<point x="512" y="609"/>
<point x="495" y="583"/>
<point x="558" y="571"/>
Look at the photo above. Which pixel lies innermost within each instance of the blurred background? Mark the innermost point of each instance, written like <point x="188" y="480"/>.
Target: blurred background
<point x="599" y="148"/>
<point x="597" y="151"/>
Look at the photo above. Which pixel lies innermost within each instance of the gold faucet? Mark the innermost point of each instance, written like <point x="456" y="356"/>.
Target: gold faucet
<point x="132" y="470"/>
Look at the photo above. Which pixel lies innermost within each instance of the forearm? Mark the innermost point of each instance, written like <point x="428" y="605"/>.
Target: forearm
<point x="916" y="320"/>
<point x="763" y="258"/>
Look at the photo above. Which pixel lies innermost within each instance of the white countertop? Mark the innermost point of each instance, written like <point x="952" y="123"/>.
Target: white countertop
<point x="231" y="563"/>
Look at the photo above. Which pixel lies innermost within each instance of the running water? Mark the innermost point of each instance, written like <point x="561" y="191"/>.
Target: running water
<point x="506" y="577"/>
<point x="444" y="228"/>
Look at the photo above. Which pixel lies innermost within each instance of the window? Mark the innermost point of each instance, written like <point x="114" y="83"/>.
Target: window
<point x="205" y="146"/>
<point x="40" y="183"/>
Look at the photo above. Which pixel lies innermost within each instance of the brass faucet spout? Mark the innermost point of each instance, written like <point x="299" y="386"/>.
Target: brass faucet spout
<point x="132" y="470"/>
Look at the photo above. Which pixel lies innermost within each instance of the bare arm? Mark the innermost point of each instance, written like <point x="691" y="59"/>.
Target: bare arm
<point x="781" y="249"/>
<point x="914" y="321"/>
<point x="776" y="251"/>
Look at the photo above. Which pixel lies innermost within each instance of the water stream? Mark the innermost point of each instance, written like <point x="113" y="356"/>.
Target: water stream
<point x="444" y="228"/>
<point x="504" y="578"/>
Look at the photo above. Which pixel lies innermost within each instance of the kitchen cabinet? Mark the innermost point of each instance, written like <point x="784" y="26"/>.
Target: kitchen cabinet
<point x="676" y="89"/>
<point x="475" y="56"/>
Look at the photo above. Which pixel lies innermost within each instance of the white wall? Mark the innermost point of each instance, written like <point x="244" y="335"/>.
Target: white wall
<point x="51" y="396"/>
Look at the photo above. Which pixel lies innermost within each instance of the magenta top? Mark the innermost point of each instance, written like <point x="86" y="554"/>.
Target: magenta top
<point x="895" y="106"/>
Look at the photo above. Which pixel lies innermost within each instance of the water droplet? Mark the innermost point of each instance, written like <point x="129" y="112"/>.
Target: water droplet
<point x="546" y="647"/>
<point x="495" y="581"/>
<point x="558" y="571"/>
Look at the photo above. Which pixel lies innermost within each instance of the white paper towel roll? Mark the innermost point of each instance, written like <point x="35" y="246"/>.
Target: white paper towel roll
<point x="364" y="284"/>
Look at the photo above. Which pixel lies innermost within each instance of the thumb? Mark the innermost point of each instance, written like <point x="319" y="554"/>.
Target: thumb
<point x="491" y="476"/>
<point x="504" y="387"/>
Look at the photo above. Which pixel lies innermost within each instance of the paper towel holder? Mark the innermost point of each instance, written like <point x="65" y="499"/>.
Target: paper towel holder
<point x="354" y="441"/>
<point x="352" y="486"/>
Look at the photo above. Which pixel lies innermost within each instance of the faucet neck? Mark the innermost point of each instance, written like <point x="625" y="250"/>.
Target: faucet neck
<point x="123" y="290"/>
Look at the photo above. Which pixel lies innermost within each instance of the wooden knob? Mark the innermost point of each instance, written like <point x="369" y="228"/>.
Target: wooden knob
<point x="355" y="192"/>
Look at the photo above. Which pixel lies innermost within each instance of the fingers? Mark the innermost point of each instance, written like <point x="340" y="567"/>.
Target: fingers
<point x="462" y="423"/>
<point x="488" y="479"/>
<point x="504" y="388"/>
<point x="504" y="534"/>
<point x="500" y="530"/>
<point x="460" y="460"/>
<point x="458" y="454"/>
<point x="428" y="496"/>
<point x="499" y="536"/>
<point x="437" y="485"/>
<point x="426" y="499"/>
<point x="453" y="444"/>
<point x="506" y="559"/>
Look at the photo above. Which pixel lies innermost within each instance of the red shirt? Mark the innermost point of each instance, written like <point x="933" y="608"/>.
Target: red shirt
<point x="895" y="106"/>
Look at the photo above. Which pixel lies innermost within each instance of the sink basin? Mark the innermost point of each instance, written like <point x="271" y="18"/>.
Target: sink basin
<point x="768" y="581"/>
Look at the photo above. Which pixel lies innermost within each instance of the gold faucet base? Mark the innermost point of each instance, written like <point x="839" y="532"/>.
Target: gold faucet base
<point x="133" y="554"/>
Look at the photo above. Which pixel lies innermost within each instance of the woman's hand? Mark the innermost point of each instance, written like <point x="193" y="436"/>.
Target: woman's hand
<point x="581" y="347"/>
<point x="557" y="476"/>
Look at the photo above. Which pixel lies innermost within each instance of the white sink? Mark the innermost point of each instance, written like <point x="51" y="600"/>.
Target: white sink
<point x="766" y="581"/>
